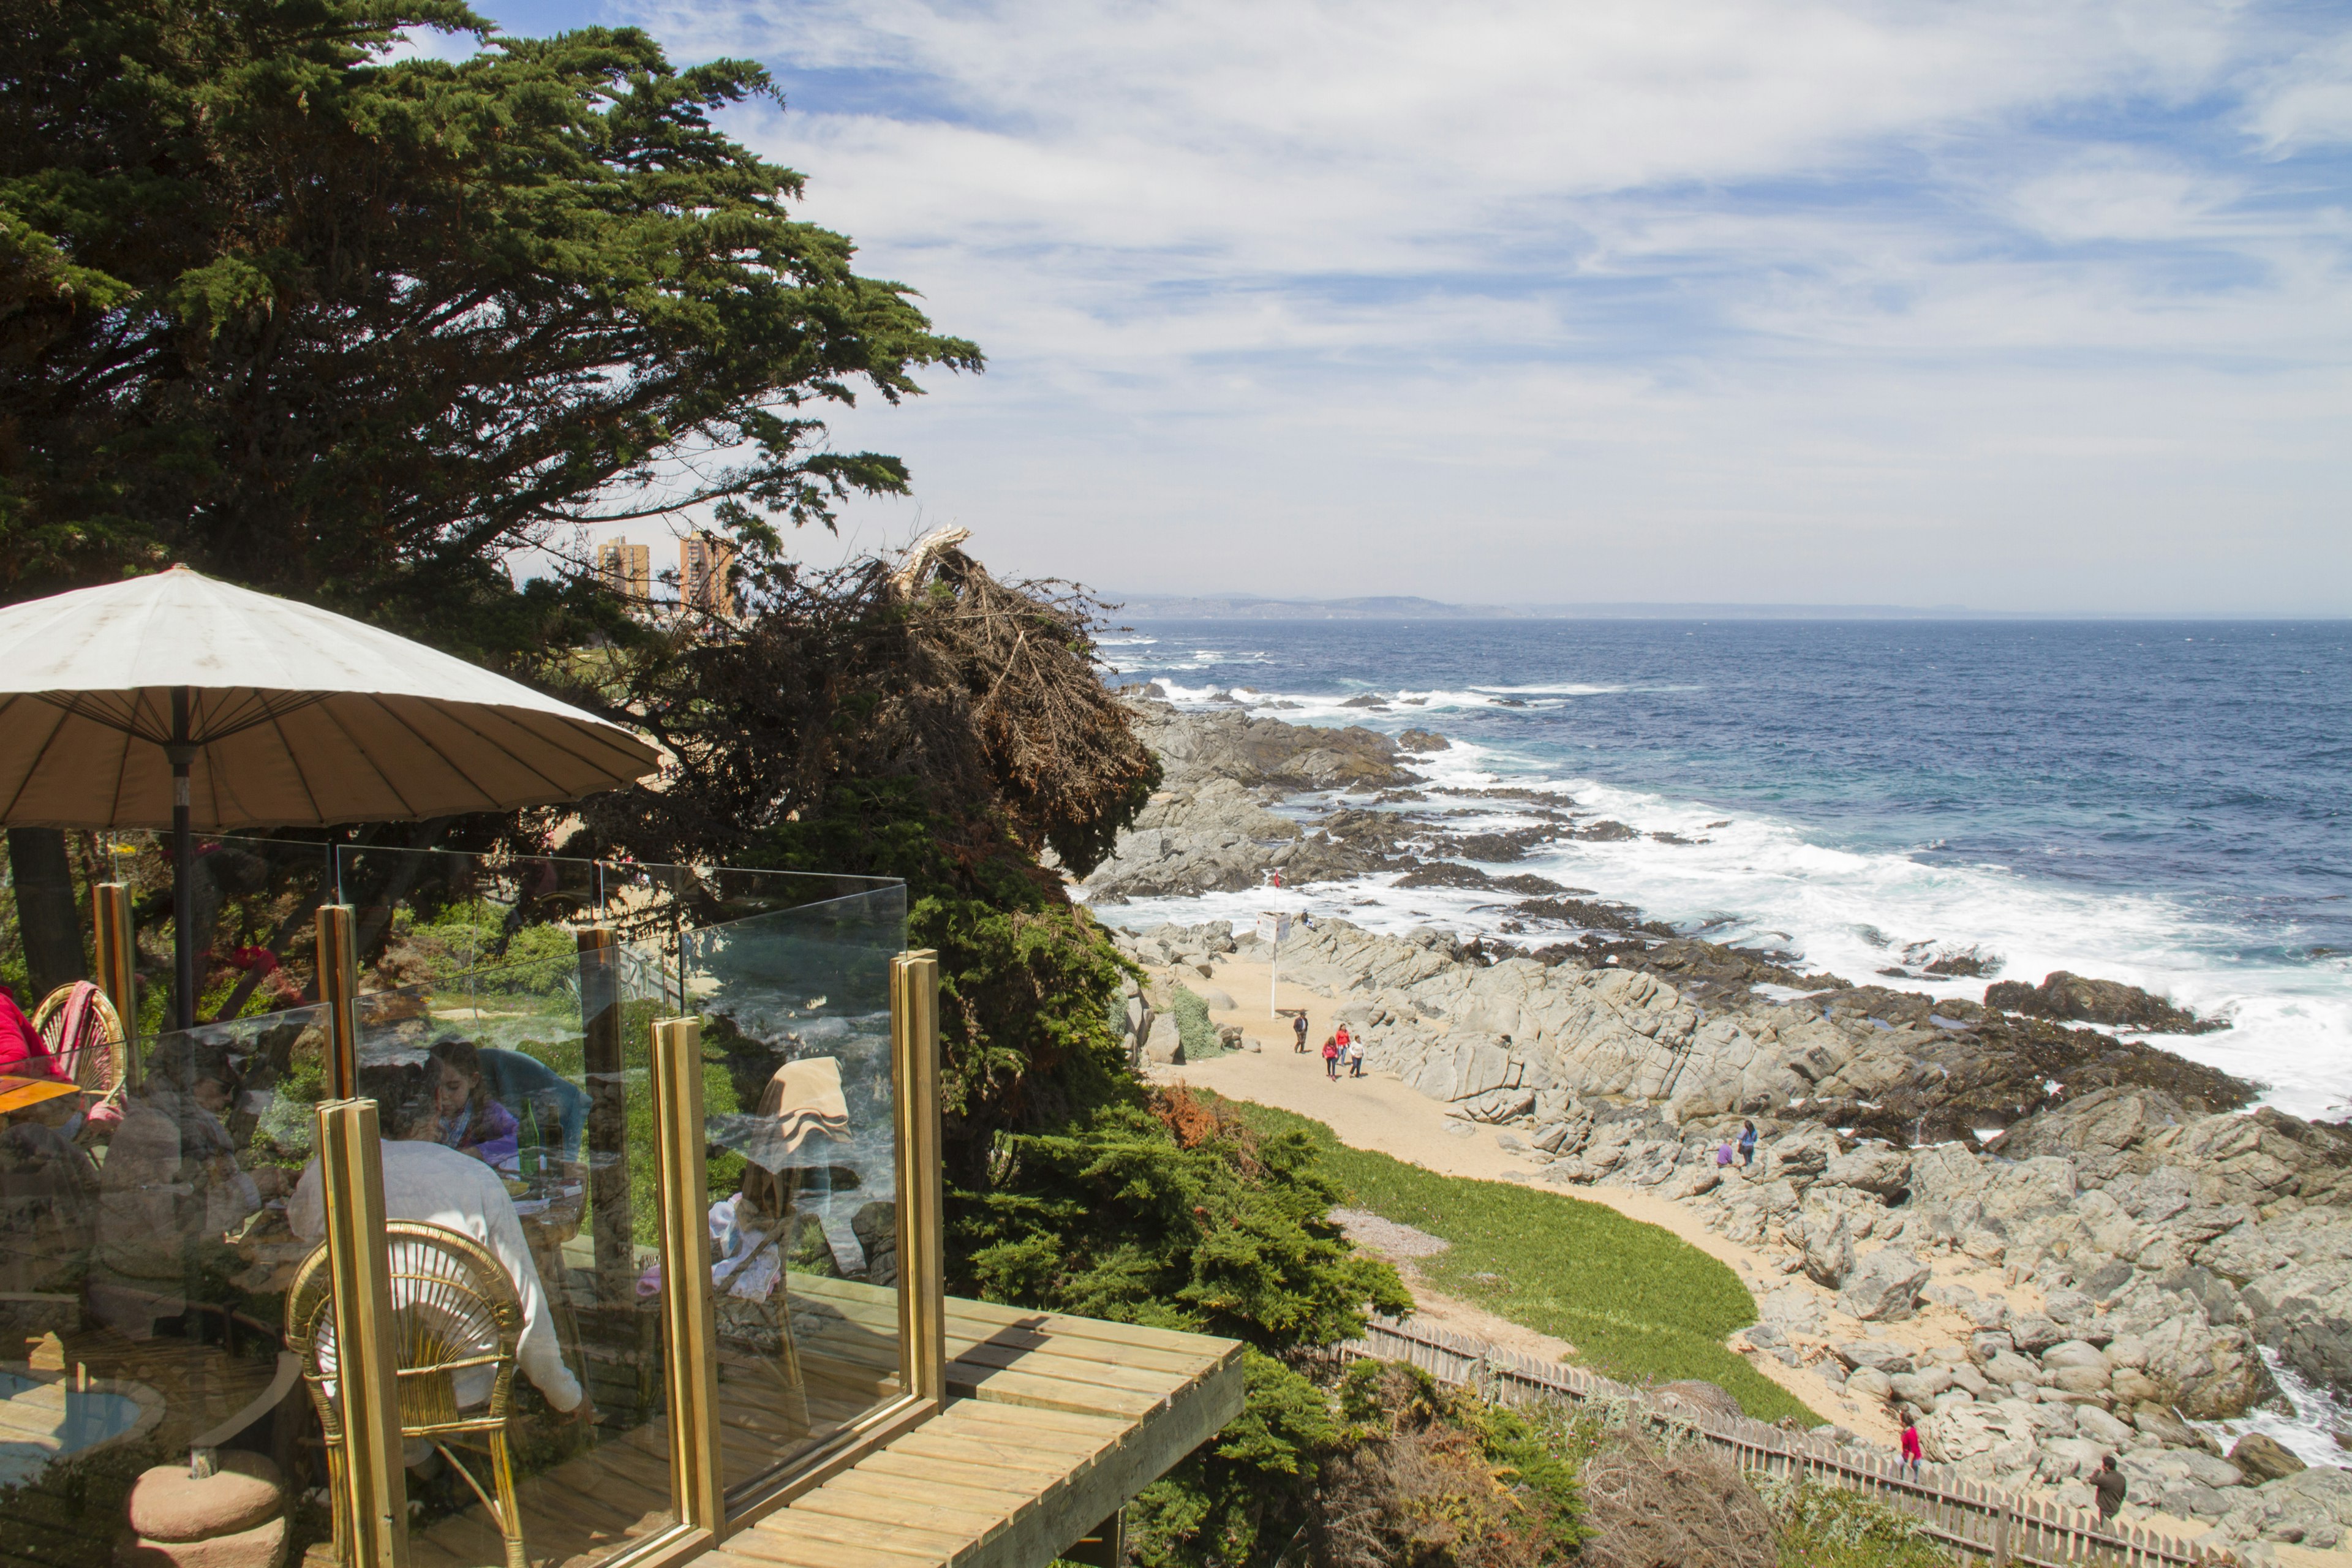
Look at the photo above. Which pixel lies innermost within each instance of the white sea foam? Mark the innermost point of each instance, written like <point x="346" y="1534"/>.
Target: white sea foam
<point x="1761" y="881"/>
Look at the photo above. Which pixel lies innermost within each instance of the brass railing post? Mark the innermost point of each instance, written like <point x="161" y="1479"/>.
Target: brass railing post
<point x="110" y="911"/>
<point x="922" y="1198"/>
<point x="338" y="986"/>
<point x="374" y="1499"/>
<point x="696" y="1478"/>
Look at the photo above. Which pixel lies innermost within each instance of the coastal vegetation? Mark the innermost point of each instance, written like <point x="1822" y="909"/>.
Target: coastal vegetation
<point x="1638" y="1303"/>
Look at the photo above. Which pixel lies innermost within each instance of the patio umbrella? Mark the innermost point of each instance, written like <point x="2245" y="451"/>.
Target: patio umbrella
<point x="175" y="700"/>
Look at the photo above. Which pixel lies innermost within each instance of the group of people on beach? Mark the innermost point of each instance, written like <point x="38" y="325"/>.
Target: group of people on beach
<point x="1339" y="1048"/>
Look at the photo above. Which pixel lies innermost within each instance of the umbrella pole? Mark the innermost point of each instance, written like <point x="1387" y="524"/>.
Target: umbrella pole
<point x="184" y="865"/>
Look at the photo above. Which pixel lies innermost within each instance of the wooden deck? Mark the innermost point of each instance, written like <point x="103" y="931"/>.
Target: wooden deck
<point x="1060" y="1421"/>
<point x="1052" y="1423"/>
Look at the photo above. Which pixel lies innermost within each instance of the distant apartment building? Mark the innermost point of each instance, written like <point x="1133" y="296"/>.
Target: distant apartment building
<point x="627" y="570"/>
<point x="703" y="560"/>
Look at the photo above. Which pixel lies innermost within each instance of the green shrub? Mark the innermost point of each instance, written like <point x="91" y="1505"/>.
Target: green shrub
<point x="1193" y="1029"/>
<point x="1822" y="1526"/>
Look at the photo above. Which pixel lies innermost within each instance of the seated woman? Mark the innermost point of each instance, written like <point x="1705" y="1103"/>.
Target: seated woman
<point x="519" y="1082"/>
<point x="426" y="1180"/>
<point x="465" y="1117"/>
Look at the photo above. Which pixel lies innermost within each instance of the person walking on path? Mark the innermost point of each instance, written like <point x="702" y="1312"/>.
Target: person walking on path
<point x="2110" y="1485"/>
<point x="1298" y="1031"/>
<point x="1746" y="1145"/>
<point x="1331" y="1057"/>
<point x="1355" y="1058"/>
<point x="1911" y="1449"/>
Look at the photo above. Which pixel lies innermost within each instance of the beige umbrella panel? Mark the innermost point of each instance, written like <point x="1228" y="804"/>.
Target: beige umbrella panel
<point x="177" y="700"/>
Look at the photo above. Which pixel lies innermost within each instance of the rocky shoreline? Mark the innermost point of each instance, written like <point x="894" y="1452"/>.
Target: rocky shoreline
<point x="2155" y="1239"/>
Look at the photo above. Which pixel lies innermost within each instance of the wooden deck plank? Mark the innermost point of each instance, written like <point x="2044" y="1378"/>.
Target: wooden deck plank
<point x="1065" y="1420"/>
<point x="964" y="1490"/>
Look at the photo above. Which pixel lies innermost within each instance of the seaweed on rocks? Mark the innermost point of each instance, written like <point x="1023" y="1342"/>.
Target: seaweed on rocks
<point x="1586" y="915"/>
<point x="2078" y="998"/>
<point x="1444" y="874"/>
<point x="1499" y="848"/>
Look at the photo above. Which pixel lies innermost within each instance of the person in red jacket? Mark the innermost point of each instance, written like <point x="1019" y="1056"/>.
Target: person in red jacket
<point x="23" y="1052"/>
<point x="1911" y="1450"/>
<point x="1331" y="1057"/>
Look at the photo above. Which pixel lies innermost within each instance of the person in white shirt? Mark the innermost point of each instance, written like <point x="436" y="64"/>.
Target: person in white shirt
<point x="438" y="1186"/>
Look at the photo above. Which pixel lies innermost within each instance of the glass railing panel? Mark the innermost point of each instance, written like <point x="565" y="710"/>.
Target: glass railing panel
<point x="148" y="1241"/>
<point x="255" y="907"/>
<point x="516" y="1108"/>
<point x="796" y="1010"/>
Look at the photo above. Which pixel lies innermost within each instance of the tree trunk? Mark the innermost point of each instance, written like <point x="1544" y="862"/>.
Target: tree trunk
<point x="49" y="920"/>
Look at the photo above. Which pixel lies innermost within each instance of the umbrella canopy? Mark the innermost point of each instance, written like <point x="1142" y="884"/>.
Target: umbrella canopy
<point x="175" y="700"/>
<point x="297" y="716"/>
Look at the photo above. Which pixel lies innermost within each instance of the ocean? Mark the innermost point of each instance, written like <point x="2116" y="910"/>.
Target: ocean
<point x="2164" y="804"/>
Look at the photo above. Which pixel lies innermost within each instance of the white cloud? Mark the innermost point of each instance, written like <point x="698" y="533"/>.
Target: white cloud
<point x="1691" y="299"/>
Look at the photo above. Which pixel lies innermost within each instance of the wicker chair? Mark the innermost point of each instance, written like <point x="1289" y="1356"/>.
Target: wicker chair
<point x="84" y="1033"/>
<point x="455" y="1310"/>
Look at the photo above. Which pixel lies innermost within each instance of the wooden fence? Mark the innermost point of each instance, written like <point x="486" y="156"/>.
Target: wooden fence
<point x="1980" y="1520"/>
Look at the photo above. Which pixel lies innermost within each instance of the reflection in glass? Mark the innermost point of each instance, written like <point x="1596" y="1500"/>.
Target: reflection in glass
<point x="144" y="1256"/>
<point x="498" y="1129"/>
<point x="803" y="1174"/>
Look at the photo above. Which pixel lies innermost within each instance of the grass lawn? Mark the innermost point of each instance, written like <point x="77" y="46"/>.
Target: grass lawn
<point x="1638" y="1303"/>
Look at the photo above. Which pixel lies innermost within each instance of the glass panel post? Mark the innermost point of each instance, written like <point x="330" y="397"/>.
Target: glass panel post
<point x="374" y="1484"/>
<point x="117" y="960"/>
<point x="922" y="1270"/>
<point x="339" y="990"/>
<point x="694" y="1457"/>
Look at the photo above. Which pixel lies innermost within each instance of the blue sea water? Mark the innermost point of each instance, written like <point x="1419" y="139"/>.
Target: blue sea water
<point x="2168" y="804"/>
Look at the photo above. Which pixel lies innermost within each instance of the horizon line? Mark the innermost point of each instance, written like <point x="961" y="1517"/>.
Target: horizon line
<point x="1252" y="606"/>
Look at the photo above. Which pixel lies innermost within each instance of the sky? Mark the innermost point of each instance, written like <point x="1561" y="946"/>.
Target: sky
<point x="2038" y="306"/>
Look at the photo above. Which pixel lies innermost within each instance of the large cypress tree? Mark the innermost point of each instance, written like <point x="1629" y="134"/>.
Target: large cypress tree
<point x="359" y="328"/>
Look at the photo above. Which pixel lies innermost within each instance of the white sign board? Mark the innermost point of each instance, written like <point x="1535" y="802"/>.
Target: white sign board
<point x="1274" y="927"/>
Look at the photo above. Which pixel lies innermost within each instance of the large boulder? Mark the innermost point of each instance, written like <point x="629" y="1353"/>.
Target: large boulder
<point x="1164" y="1046"/>
<point x="2264" y="1458"/>
<point x="1869" y="1382"/>
<point x="1879" y="1355"/>
<point x="1983" y="1439"/>
<point x="1884" y="1286"/>
<point x="2104" y="1132"/>
<point x="1829" y="1252"/>
<point x="1877" y="1168"/>
<point x="1919" y="1387"/>
<point x="1800" y="1156"/>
